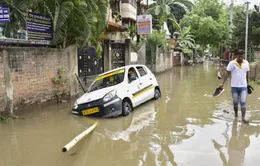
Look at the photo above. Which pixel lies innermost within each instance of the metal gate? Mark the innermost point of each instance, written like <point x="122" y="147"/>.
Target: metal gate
<point x="88" y="63"/>
<point x="118" y="54"/>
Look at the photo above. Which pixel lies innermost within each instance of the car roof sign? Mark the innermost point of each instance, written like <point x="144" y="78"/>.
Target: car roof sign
<point x="110" y="74"/>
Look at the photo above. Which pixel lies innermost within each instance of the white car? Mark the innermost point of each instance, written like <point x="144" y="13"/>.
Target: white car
<point x="118" y="92"/>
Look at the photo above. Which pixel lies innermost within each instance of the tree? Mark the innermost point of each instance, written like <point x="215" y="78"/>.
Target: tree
<point x="209" y="23"/>
<point x="178" y="13"/>
<point x="153" y="40"/>
<point x="162" y="7"/>
<point x="239" y="30"/>
<point x="17" y="19"/>
<point x="161" y="11"/>
<point x="186" y="41"/>
<point x="255" y="26"/>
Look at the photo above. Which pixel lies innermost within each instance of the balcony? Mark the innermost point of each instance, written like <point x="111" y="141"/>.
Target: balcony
<point x="128" y="9"/>
<point x="131" y="2"/>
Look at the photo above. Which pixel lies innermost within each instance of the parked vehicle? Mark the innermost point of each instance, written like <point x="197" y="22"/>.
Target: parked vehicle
<point x="118" y="92"/>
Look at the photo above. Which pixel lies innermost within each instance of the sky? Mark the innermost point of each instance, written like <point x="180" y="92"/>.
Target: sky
<point x="237" y="2"/>
<point x="240" y="2"/>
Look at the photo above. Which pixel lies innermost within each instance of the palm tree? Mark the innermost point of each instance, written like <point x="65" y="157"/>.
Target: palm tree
<point x="186" y="41"/>
<point x="77" y="20"/>
<point x="162" y="9"/>
<point x="17" y="19"/>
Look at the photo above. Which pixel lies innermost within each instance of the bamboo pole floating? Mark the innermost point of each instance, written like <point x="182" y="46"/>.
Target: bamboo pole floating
<point x="78" y="138"/>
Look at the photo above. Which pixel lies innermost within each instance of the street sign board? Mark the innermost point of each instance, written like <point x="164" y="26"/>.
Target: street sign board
<point x="144" y="24"/>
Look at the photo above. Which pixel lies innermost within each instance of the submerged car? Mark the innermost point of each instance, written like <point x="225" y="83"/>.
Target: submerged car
<point x="118" y="92"/>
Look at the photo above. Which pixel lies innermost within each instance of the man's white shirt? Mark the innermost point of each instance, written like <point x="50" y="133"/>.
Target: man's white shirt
<point x="238" y="73"/>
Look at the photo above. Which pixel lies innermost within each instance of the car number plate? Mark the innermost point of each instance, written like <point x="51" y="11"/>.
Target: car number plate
<point x="90" y="111"/>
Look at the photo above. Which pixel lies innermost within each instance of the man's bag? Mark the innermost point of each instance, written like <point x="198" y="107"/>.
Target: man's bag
<point x="249" y="89"/>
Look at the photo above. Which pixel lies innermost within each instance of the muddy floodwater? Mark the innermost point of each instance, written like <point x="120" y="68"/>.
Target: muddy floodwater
<point x="185" y="127"/>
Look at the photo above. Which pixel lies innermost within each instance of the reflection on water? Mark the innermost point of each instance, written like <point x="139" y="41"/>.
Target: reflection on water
<point x="237" y="144"/>
<point x="184" y="127"/>
<point x="140" y="120"/>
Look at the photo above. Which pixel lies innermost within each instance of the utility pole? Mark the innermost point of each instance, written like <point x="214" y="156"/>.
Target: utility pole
<point x="231" y="25"/>
<point x="247" y="10"/>
<point x="231" y="19"/>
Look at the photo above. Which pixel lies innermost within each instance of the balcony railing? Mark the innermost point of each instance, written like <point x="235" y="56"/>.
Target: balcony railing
<point x="128" y="11"/>
<point x="131" y="2"/>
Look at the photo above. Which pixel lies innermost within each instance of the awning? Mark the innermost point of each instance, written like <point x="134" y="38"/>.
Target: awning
<point x="115" y="27"/>
<point x="128" y="18"/>
<point x="112" y="27"/>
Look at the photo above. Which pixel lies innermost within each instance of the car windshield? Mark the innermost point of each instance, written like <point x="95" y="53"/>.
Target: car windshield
<point x="107" y="80"/>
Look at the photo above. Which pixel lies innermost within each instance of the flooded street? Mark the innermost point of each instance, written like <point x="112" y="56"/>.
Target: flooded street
<point x="185" y="127"/>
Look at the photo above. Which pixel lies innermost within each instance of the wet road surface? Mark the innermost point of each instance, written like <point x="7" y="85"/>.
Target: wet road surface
<point x="185" y="127"/>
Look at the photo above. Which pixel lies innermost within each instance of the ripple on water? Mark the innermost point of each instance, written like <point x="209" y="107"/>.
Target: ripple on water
<point x="229" y="116"/>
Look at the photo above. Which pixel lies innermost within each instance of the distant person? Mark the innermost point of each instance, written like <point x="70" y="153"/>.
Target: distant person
<point x="238" y="69"/>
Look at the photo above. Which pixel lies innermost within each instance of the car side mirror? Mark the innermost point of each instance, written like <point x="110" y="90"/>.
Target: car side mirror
<point x="132" y="78"/>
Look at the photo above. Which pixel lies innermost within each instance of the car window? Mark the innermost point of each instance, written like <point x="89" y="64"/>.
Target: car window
<point x="107" y="80"/>
<point x="141" y="71"/>
<point x="132" y="73"/>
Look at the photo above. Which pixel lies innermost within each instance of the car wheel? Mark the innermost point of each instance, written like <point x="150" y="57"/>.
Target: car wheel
<point x="157" y="94"/>
<point x="127" y="108"/>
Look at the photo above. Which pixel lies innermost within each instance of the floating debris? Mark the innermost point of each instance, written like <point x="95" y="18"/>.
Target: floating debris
<point x="225" y="111"/>
<point x="206" y="95"/>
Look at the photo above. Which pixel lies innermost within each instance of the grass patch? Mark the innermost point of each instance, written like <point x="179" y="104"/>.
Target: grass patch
<point x="255" y="83"/>
<point x="4" y="119"/>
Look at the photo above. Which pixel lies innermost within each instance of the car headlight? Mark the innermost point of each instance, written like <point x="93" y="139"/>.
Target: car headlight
<point x="75" y="105"/>
<point x="109" y="96"/>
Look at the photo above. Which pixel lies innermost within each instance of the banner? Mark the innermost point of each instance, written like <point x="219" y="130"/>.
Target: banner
<point x="4" y="13"/>
<point x="39" y="27"/>
<point x="144" y="24"/>
<point x="37" y="31"/>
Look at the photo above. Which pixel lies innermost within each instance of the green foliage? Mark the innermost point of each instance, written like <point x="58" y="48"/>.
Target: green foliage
<point x="178" y="13"/>
<point x="4" y="119"/>
<point x="60" y="79"/>
<point x="117" y="16"/>
<point x="238" y="35"/>
<point x="156" y="39"/>
<point x="186" y="41"/>
<point x="162" y="7"/>
<point x="239" y="28"/>
<point x="238" y="38"/>
<point x="132" y="30"/>
<point x="17" y="20"/>
<point x="161" y="11"/>
<point x="209" y="8"/>
<point x="257" y="81"/>
<point x="209" y="23"/>
<point x="74" y="21"/>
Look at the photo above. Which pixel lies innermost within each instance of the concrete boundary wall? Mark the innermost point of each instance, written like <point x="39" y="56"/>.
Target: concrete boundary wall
<point x="255" y="71"/>
<point x="163" y="59"/>
<point x="26" y="75"/>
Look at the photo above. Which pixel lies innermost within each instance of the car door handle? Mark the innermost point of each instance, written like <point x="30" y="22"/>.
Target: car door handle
<point x="141" y="83"/>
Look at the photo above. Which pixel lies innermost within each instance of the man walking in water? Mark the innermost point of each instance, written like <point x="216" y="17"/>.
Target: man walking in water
<point x="238" y="69"/>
